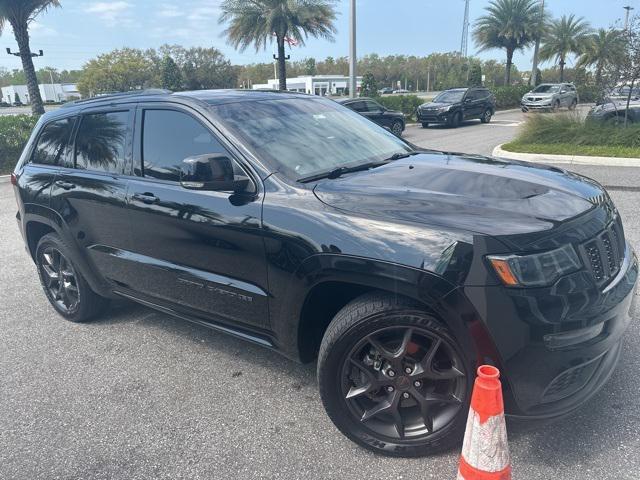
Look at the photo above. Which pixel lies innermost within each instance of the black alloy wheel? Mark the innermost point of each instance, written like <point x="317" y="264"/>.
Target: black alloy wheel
<point x="392" y="378"/>
<point x="60" y="281"/>
<point x="425" y="124"/>
<point x="65" y="287"/>
<point x="486" y="116"/>
<point x="396" y="128"/>
<point x="456" y="120"/>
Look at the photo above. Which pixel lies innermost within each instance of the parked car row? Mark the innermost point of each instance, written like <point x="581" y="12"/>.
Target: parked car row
<point x="614" y="112"/>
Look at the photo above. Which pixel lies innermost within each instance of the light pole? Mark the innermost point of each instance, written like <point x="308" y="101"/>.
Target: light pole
<point x="626" y="21"/>
<point x="353" y="84"/>
<point x="536" y="51"/>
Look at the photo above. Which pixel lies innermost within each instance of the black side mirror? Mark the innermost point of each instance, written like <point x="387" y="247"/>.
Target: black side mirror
<point x="212" y="172"/>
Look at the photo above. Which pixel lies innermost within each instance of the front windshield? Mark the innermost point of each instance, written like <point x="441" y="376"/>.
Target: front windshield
<point x="547" y="89"/>
<point x="302" y="137"/>
<point x="453" y="96"/>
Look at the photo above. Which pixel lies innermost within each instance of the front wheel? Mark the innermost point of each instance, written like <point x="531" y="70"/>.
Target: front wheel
<point x="397" y="128"/>
<point x="486" y="116"/>
<point x="65" y="287"/>
<point x="455" y="121"/>
<point x="425" y="125"/>
<point x="392" y="377"/>
<point x="556" y="106"/>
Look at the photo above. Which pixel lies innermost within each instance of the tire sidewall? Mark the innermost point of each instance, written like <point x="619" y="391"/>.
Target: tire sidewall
<point x="329" y="377"/>
<point x="399" y="128"/>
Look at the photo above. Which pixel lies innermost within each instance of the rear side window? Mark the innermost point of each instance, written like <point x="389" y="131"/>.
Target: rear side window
<point x="358" y="106"/>
<point x="101" y="140"/>
<point x="168" y="138"/>
<point x="52" y="147"/>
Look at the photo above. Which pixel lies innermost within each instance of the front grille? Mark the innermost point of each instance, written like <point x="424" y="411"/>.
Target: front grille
<point x="604" y="254"/>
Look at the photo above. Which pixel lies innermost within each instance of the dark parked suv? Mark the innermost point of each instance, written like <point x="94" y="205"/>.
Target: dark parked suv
<point x="294" y="223"/>
<point x="454" y="106"/>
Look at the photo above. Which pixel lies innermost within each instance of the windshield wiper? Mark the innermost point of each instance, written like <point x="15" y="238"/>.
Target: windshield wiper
<point x="338" y="172"/>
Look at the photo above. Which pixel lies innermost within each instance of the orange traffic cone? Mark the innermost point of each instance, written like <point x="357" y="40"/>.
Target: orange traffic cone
<point x="485" y="453"/>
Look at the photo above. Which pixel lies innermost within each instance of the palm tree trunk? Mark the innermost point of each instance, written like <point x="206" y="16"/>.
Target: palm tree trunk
<point x="562" y="63"/>
<point x="507" y="74"/>
<point x="626" y="112"/>
<point x="21" y="32"/>
<point x="282" y="63"/>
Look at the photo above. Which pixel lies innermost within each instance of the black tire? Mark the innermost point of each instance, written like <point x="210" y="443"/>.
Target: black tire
<point x="63" y="284"/>
<point x="372" y="316"/>
<point x="556" y="106"/>
<point x="486" y="116"/>
<point x="397" y="128"/>
<point x="425" y="125"/>
<point x="456" y="120"/>
<point x="573" y="105"/>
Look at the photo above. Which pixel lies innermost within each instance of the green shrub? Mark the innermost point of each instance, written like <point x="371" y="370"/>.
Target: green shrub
<point x="571" y="129"/>
<point x="407" y="104"/>
<point x="511" y="96"/>
<point x="14" y="133"/>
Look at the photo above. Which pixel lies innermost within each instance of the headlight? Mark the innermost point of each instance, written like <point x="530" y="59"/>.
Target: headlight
<point x="537" y="270"/>
<point x="444" y="109"/>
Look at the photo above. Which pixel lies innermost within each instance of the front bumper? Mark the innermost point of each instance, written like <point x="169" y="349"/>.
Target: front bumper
<point x="433" y="117"/>
<point x="541" y="105"/>
<point x="544" y="379"/>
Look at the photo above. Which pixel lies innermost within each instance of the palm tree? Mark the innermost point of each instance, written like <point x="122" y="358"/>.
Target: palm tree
<point x="510" y="25"/>
<point x="19" y="14"/>
<point x="603" y="48"/>
<point x="258" y="21"/>
<point x="565" y="36"/>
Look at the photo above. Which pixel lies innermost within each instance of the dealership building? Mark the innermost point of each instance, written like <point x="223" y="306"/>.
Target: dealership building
<point x="313" y="84"/>
<point x="50" y="92"/>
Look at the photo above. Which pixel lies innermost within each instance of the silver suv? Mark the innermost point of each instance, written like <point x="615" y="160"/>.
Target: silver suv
<point x="551" y="96"/>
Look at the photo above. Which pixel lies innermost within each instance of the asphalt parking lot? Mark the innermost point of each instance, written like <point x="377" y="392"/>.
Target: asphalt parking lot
<point x="141" y="395"/>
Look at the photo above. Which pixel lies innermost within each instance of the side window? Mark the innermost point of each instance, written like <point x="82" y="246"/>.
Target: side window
<point x="52" y="147"/>
<point x="358" y="106"/>
<point x="168" y="138"/>
<point x="101" y="140"/>
<point x="473" y="95"/>
<point x="372" y="106"/>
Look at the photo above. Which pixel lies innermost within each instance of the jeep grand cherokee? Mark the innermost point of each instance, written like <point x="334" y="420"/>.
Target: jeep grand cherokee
<point x="292" y="222"/>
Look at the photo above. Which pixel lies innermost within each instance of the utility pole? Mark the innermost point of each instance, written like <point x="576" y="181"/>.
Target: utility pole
<point x="464" y="45"/>
<point x="626" y="21"/>
<point x="536" y="51"/>
<point x="353" y="60"/>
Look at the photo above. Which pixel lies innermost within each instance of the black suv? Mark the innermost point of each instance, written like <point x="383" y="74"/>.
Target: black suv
<point x="375" y="112"/>
<point x="295" y="223"/>
<point x="454" y="106"/>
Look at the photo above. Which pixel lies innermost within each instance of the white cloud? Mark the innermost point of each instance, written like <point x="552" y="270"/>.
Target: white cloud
<point x="112" y="13"/>
<point x="40" y="30"/>
<point x="170" y="11"/>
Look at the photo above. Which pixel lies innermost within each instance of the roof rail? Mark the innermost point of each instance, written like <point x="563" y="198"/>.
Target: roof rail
<point x="112" y="96"/>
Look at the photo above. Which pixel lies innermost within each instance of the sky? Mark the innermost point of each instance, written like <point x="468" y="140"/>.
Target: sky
<point x="82" y="29"/>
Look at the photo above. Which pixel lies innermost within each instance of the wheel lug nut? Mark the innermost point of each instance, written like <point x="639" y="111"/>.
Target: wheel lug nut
<point x="405" y="395"/>
<point x="391" y="373"/>
<point x="408" y="370"/>
<point x="417" y="384"/>
<point x="390" y="389"/>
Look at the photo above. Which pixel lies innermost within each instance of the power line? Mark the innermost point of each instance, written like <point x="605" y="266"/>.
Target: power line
<point x="464" y="45"/>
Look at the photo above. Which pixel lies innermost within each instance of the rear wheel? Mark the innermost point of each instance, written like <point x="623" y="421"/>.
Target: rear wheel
<point x="573" y="105"/>
<point x="392" y="378"/>
<point x="486" y="116"/>
<point x="425" y="125"/>
<point x="65" y="288"/>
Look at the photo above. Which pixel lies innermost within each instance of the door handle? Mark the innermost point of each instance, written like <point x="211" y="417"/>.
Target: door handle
<point x="65" y="185"/>
<point x="148" y="198"/>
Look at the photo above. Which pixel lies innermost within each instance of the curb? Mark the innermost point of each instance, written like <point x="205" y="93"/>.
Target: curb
<point x="5" y="178"/>
<point x="567" y="159"/>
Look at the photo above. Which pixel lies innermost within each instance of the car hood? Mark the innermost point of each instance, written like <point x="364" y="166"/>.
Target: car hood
<point x="436" y="105"/>
<point x="464" y="192"/>
<point x="541" y="95"/>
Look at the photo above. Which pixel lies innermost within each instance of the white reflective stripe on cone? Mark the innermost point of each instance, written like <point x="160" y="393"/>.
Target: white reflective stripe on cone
<point x="485" y="445"/>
